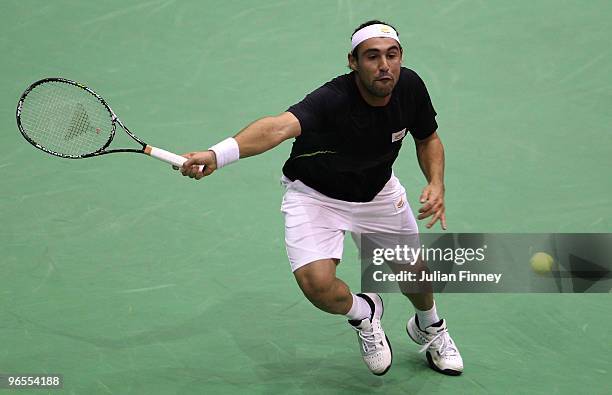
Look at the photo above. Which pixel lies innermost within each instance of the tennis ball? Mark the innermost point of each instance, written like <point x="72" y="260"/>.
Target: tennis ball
<point x="542" y="263"/>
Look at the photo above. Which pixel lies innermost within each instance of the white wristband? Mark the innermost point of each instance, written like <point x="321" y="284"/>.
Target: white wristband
<point x="226" y="151"/>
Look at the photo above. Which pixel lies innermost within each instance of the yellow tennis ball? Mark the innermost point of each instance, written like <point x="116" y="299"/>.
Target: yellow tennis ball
<point x="542" y="263"/>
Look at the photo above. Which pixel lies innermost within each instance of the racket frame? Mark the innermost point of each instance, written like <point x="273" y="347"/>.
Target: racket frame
<point x="158" y="153"/>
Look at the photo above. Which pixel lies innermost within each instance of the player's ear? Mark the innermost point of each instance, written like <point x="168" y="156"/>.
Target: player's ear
<point x="352" y="62"/>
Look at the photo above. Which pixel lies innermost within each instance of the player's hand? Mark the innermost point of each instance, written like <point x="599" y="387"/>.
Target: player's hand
<point x="432" y="200"/>
<point x="194" y="159"/>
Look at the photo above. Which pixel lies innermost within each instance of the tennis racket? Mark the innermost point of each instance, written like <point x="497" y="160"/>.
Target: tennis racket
<point x="68" y="119"/>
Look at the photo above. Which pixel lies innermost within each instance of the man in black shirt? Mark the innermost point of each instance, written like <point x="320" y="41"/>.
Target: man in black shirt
<point x="339" y="178"/>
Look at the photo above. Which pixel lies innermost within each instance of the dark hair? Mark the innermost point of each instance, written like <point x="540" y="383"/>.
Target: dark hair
<point x="368" y="23"/>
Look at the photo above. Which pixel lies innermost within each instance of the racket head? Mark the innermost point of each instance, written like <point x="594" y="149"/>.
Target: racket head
<point x="65" y="118"/>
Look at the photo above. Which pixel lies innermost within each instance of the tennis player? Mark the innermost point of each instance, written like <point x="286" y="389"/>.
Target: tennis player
<point x="339" y="178"/>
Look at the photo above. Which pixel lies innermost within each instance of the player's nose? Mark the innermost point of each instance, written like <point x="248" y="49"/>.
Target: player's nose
<point x="383" y="65"/>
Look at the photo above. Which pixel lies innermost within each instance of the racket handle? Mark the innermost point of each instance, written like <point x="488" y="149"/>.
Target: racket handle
<point x="167" y="156"/>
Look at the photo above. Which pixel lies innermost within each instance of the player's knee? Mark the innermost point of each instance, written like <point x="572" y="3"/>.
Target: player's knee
<point x="315" y="287"/>
<point x="315" y="284"/>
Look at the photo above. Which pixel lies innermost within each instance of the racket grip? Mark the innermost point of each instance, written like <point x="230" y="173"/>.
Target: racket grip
<point x="166" y="156"/>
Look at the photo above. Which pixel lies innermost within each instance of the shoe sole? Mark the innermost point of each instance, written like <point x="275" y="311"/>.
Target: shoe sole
<point x="448" y="372"/>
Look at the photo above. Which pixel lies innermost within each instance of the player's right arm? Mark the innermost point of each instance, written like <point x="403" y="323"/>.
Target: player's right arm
<point x="266" y="133"/>
<point x="258" y="137"/>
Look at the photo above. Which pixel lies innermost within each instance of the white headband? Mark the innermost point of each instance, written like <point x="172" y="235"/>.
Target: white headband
<point x="370" y="31"/>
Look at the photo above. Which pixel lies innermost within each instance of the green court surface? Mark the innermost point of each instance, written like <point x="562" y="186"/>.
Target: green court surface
<point x="129" y="279"/>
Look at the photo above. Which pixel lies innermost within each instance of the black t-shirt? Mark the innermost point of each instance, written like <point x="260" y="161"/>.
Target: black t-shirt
<point x="347" y="147"/>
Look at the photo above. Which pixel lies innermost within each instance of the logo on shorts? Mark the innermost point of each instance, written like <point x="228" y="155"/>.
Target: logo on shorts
<point x="398" y="135"/>
<point x="400" y="204"/>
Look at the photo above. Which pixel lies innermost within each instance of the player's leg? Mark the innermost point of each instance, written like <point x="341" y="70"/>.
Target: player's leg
<point x="323" y="289"/>
<point x="314" y="238"/>
<point x="389" y="213"/>
<point x="427" y="329"/>
<point x="420" y="294"/>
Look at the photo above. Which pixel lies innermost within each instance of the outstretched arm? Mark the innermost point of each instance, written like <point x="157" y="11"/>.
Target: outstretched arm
<point x="430" y="153"/>
<point x="258" y="137"/>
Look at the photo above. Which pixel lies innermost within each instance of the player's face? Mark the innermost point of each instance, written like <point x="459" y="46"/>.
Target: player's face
<point x="378" y="65"/>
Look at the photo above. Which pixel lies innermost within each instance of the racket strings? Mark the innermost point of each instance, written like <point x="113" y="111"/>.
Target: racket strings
<point x="66" y="119"/>
<point x="79" y="123"/>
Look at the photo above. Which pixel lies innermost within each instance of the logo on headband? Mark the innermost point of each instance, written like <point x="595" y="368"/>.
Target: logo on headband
<point x="370" y="31"/>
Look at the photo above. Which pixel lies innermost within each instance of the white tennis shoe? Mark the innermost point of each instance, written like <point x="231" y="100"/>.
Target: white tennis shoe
<point x="373" y="343"/>
<point x="442" y="353"/>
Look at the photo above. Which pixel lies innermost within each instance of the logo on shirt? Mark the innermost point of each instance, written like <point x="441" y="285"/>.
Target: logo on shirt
<point x="398" y="135"/>
<point x="400" y="204"/>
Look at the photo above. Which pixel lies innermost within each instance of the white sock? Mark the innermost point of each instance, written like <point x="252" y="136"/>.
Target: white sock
<point x="359" y="310"/>
<point x="427" y="317"/>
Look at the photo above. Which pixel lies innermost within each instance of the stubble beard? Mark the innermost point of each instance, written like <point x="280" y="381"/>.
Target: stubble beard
<point x="377" y="89"/>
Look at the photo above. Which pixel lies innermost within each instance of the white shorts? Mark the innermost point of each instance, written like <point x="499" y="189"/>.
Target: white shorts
<point x="315" y="224"/>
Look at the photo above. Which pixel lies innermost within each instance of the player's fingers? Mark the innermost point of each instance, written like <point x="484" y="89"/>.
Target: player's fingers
<point x="426" y="207"/>
<point x="207" y="171"/>
<point x="191" y="167"/>
<point x="201" y="170"/>
<point x="443" y="221"/>
<point x="425" y="214"/>
<point x="433" y="203"/>
<point x="197" y="172"/>
<point x="425" y="195"/>
<point x="188" y="163"/>
<point x="434" y="219"/>
<point x="188" y="155"/>
<point x="188" y="170"/>
<point x="432" y="209"/>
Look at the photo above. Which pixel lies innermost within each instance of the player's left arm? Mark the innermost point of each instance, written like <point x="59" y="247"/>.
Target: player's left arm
<point x="430" y="153"/>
